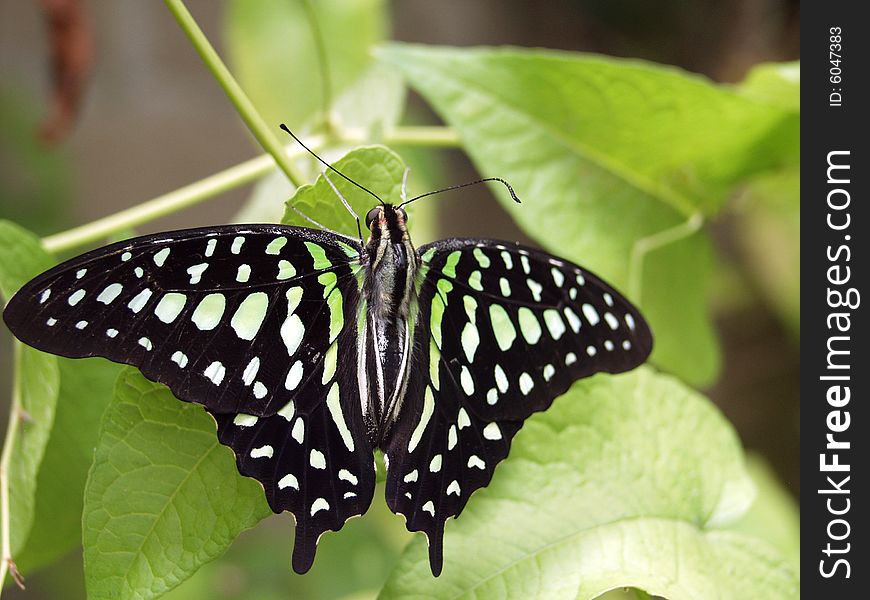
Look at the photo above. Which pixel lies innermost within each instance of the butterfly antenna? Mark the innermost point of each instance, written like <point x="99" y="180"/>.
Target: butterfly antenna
<point x="462" y="185"/>
<point x="329" y="166"/>
<point x="347" y="206"/>
<point x="318" y="224"/>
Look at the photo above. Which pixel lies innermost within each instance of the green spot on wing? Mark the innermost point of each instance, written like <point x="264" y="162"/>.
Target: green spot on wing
<point x="449" y="269"/>
<point x="319" y="255"/>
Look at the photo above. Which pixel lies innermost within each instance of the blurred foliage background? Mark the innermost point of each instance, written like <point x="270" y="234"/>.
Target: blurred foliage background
<point x="151" y="119"/>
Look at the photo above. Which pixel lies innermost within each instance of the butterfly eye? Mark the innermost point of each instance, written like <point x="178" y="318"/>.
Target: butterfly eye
<point x="372" y="216"/>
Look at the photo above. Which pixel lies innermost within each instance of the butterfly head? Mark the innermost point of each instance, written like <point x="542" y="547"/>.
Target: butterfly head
<point x="387" y="222"/>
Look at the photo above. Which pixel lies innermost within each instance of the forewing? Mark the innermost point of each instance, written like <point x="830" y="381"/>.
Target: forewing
<point x="502" y="330"/>
<point x="234" y="317"/>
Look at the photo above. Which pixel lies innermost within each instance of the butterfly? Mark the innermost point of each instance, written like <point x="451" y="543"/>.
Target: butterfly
<point x="311" y="350"/>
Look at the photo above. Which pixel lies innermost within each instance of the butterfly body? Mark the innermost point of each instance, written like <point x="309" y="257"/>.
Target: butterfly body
<point x="312" y="350"/>
<point x="389" y="293"/>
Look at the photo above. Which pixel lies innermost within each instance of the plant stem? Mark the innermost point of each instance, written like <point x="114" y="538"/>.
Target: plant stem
<point x="6" y="562"/>
<point x="233" y="90"/>
<point x="226" y="180"/>
<point x="660" y="239"/>
<point x="164" y="204"/>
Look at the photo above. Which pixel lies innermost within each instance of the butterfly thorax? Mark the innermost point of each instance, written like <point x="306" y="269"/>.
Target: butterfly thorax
<point x="385" y="344"/>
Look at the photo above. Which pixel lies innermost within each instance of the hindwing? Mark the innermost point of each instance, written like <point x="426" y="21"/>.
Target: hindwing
<point x="502" y="330"/>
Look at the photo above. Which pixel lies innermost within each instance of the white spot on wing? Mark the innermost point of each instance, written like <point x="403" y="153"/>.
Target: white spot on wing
<point x="196" y="272"/>
<point x="243" y="274"/>
<point x="570" y="358"/>
<point x="289" y="480"/>
<point x="178" y="357"/>
<point x="262" y="452"/>
<point x="429" y="508"/>
<point x="161" y="256"/>
<point x="237" y="244"/>
<point x="526" y="383"/>
<point x="435" y="463"/>
<point x="298" y="432"/>
<point x="76" y="297"/>
<point x="170" y="306"/>
<point x="288" y="411"/>
<point x="145" y="343"/>
<point x="140" y="300"/>
<point x="411" y="477"/>
<point x="111" y="332"/>
<point x="346" y="475"/>
<point x="318" y="505"/>
<point x="44" y="296"/>
<point x="250" y="372"/>
<point x="209" y="312"/>
<point x="250" y="314"/>
<point x="81" y="324"/>
<point x="466" y="381"/>
<point x="453" y="488"/>
<point x="491" y="431"/>
<point x="317" y="460"/>
<point x="591" y="314"/>
<point x="475" y="461"/>
<point x="428" y="408"/>
<point x="462" y="419"/>
<point x="294" y="376"/>
<point x="611" y="320"/>
<point x="215" y="372"/>
<point x="549" y="371"/>
<point x="244" y="420"/>
<point x="333" y="403"/>
<point x="536" y="289"/>
<point x="501" y="379"/>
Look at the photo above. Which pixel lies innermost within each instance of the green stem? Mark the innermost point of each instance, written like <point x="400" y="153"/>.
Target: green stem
<point x="237" y="96"/>
<point x="660" y="239"/>
<point x="228" y="179"/>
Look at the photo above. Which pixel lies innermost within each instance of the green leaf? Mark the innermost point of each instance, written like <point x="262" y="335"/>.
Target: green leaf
<point x="163" y="496"/>
<point x="622" y="483"/>
<point x="775" y="83"/>
<point x="378" y="168"/>
<point x="85" y="391"/>
<point x="35" y="387"/>
<point x="606" y="153"/>
<point x="273" y="51"/>
<point x="774" y="516"/>
<point x="768" y="235"/>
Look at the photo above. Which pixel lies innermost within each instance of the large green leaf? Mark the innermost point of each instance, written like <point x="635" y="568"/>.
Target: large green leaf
<point x="605" y="153"/>
<point x="273" y="51"/>
<point x="85" y="391"/>
<point x="379" y="168"/>
<point x="35" y="386"/>
<point x="163" y="496"/>
<point x="622" y="483"/>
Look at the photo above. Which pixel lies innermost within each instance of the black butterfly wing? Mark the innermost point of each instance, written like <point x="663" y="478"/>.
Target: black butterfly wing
<point x="501" y="331"/>
<point x="247" y="320"/>
<point x="232" y="317"/>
